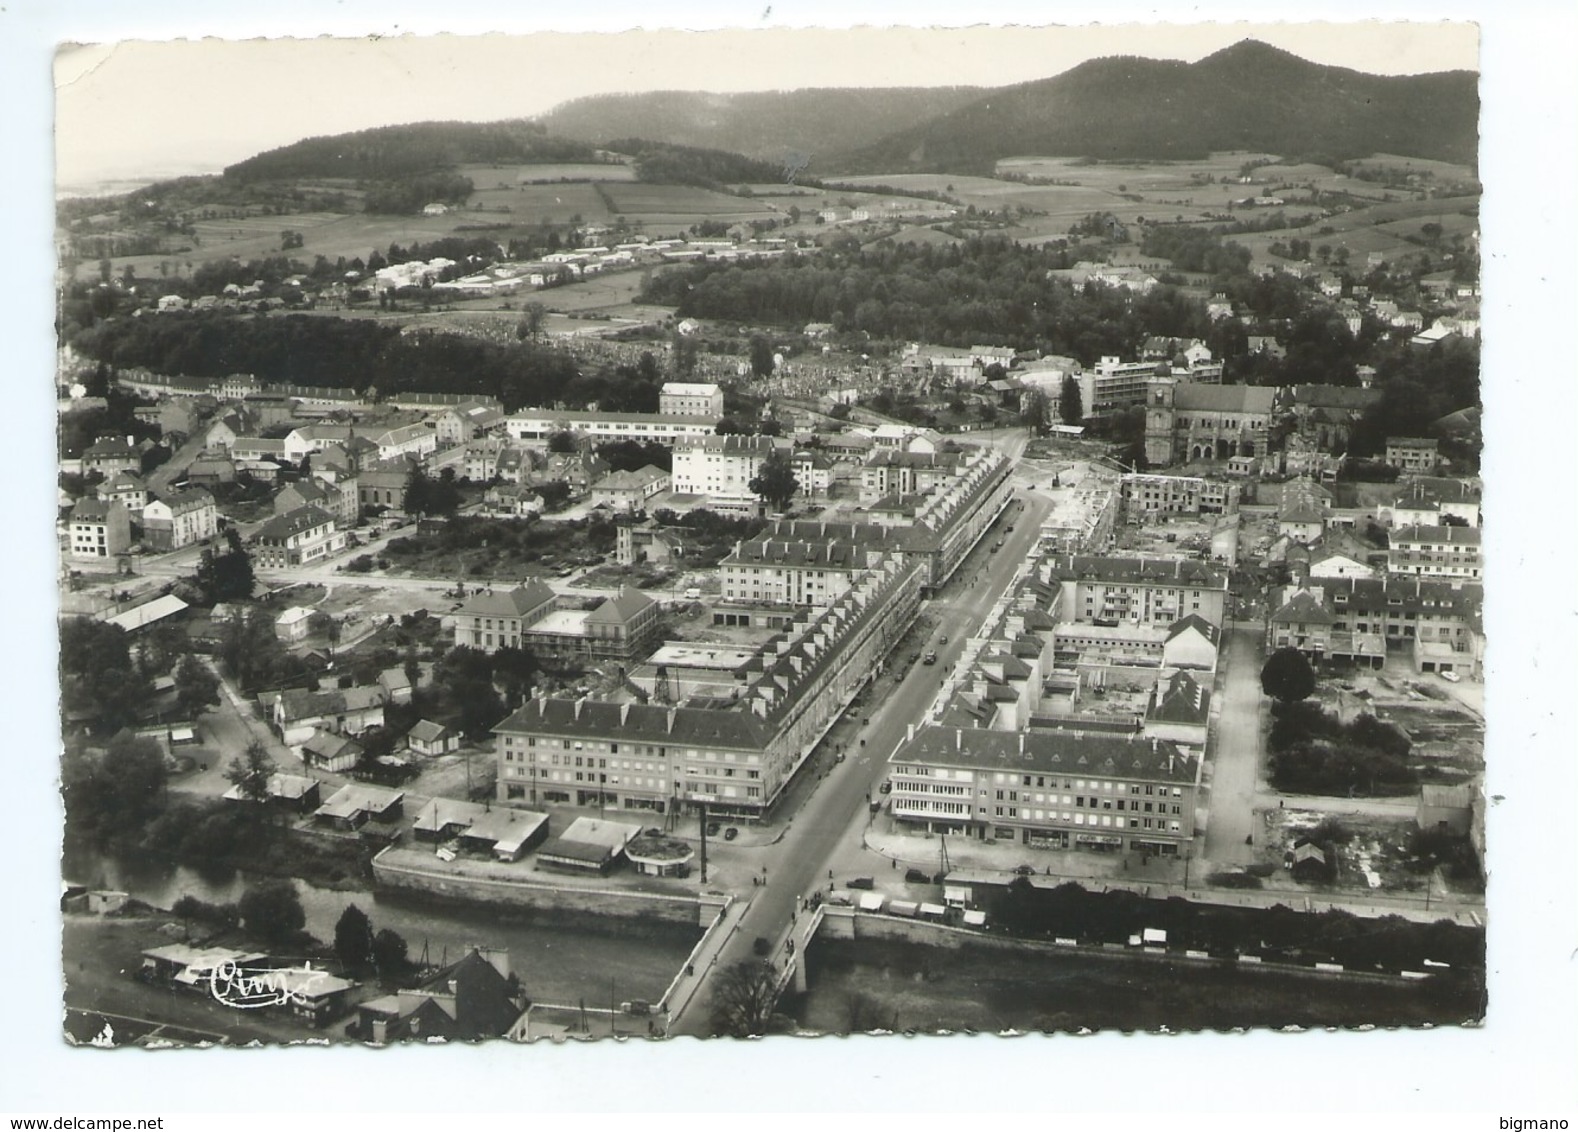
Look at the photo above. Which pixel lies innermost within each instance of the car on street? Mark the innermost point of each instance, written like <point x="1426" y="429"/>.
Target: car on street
<point x="712" y="828"/>
<point x="693" y="593"/>
<point x="998" y="545"/>
<point x="1450" y="677"/>
<point x="915" y="876"/>
<point x="931" y="658"/>
<point x="730" y="834"/>
<point x="867" y="883"/>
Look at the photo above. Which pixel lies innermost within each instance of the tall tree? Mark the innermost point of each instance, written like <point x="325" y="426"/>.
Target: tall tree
<point x="743" y="997"/>
<point x="533" y="315"/>
<point x="250" y="772"/>
<point x="1033" y="409"/>
<point x="196" y="687"/>
<point x="762" y="364"/>
<point x="227" y="575"/>
<point x="98" y="677"/>
<point x="1287" y="676"/>
<point x="353" y="939"/>
<point x="775" y="481"/>
<point x="1070" y="402"/>
<point x="271" y="910"/>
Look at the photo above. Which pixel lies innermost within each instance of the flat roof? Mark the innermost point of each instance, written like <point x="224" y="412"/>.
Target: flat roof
<point x="702" y="656"/>
<point x="564" y="622"/>
<point x="508" y="829"/>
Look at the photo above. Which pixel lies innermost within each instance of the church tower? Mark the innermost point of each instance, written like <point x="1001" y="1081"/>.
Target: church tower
<point x="1159" y="420"/>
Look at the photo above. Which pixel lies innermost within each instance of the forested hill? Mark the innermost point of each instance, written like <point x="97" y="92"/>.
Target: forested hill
<point x="769" y="125"/>
<point x="1247" y="97"/>
<point x="403" y="151"/>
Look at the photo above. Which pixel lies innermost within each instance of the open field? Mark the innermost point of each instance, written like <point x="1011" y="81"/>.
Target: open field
<point x="1443" y="170"/>
<point x="652" y="201"/>
<point x="511" y="176"/>
<point x="902" y="986"/>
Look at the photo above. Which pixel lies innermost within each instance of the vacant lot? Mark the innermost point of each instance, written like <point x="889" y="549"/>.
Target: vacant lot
<point x="862" y="985"/>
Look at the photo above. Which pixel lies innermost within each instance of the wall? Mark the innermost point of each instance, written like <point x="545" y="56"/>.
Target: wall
<point x="398" y="869"/>
<point x="847" y="923"/>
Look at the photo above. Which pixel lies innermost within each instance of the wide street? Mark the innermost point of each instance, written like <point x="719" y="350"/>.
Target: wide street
<point x="828" y="825"/>
<point x="1235" y="761"/>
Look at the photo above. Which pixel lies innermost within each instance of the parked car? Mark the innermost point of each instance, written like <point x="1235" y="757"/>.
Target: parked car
<point x="867" y="883"/>
<point x="915" y="876"/>
<point x="1451" y="677"/>
<point x="887" y="787"/>
<point x="730" y="834"/>
<point x="712" y="828"/>
<point x="693" y="593"/>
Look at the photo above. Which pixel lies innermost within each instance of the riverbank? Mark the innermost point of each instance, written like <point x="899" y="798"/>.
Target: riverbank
<point x="861" y="985"/>
<point x="215" y="838"/>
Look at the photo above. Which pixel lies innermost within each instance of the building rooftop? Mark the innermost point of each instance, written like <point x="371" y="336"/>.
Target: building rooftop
<point x="282" y="527"/>
<point x="509" y="603"/>
<point x="1042" y="752"/>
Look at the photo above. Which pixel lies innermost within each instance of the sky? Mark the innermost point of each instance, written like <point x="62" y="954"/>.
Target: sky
<point x="136" y="109"/>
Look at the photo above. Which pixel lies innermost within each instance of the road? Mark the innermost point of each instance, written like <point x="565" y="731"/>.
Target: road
<point x="1235" y="763"/>
<point x="829" y="824"/>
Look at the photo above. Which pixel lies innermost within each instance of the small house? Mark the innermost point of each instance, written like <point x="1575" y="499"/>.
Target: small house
<point x="429" y="738"/>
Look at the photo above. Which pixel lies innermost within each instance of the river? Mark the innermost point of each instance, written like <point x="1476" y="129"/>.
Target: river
<point x="557" y="963"/>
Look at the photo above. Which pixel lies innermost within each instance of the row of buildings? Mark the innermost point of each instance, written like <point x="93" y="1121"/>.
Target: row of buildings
<point x="1080" y="714"/>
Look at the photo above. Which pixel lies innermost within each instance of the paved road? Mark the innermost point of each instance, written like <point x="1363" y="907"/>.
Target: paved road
<point x="1235" y="763"/>
<point x="827" y="829"/>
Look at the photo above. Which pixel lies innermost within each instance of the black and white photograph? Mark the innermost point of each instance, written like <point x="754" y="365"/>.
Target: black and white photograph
<point x="570" y="541"/>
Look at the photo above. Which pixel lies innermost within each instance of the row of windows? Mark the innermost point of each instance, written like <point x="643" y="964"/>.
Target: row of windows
<point x="1103" y="821"/>
<point x="1102" y="784"/>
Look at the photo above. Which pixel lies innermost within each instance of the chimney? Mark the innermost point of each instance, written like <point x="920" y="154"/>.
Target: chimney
<point x="498" y="958"/>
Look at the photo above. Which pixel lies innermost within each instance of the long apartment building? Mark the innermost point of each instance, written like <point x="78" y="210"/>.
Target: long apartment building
<point x="1048" y="789"/>
<point x="1443" y="552"/>
<point x="733" y="754"/>
<point x="1146" y="591"/>
<point x="535" y="426"/>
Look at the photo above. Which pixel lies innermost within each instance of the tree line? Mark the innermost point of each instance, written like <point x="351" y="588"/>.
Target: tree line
<point x="982" y="290"/>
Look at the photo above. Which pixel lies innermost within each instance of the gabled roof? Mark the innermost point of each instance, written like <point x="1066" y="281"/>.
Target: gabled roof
<point x="282" y="527"/>
<point x="1196" y="623"/>
<point x="626" y="607"/>
<point x="426" y="731"/>
<point x="509" y="603"/>
<point x="93" y="510"/>
<point x="1303" y="608"/>
<point x="1180" y="699"/>
<point x="1247" y="399"/>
